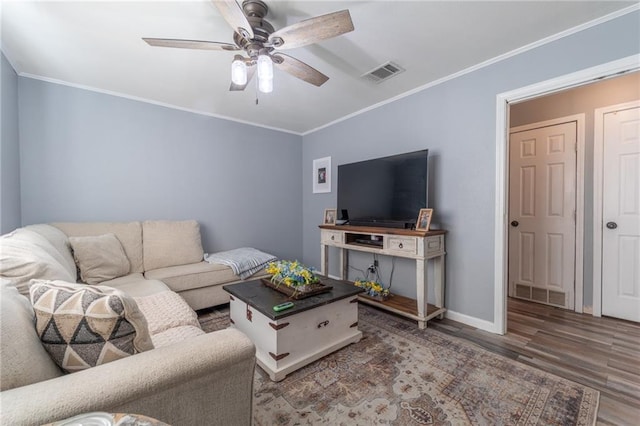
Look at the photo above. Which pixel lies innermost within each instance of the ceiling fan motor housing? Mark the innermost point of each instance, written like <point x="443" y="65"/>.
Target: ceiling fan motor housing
<point x="255" y="11"/>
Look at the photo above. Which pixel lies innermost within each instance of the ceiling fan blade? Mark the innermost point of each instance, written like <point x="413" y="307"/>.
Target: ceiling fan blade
<point x="299" y="69"/>
<point x="312" y="30"/>
<point x="251" y="70"/>
<point x="190" y="44"/>
<point x="233" y="14"/>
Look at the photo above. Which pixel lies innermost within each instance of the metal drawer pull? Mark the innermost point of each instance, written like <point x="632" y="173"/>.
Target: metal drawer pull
<point x="400" y="245"/>
<point x="323" y="324"/>
<point x="333" y="237"/>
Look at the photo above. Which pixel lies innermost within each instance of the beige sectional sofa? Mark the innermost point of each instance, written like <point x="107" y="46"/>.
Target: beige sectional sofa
<point x="189" y="378"/>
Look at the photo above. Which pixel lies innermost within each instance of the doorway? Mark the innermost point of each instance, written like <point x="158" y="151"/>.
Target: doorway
<point x="504" y="103"/>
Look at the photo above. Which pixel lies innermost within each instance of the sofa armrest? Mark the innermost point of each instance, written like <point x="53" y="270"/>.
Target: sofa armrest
<point x="205" y="379"/>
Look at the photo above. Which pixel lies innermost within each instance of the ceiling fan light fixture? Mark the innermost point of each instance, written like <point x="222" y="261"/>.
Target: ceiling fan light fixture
<point x="265" y="85"/>
<point x="265" y="67"/>
<point x="239" y="72"/>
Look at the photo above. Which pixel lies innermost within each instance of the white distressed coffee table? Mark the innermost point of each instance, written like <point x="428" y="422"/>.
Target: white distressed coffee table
<point x="288" y="340"/>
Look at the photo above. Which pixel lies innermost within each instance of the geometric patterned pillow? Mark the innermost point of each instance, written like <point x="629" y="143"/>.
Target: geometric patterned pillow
<point x="82" y="326"/>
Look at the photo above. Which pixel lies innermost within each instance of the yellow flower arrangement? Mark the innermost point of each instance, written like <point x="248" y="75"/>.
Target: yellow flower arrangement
<point x="373" y="288"/>
<point x="292" y="274"/>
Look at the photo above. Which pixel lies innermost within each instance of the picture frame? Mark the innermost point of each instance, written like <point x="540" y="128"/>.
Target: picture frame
<point x="329" y="217"/>
<point x="424" y="219"/>
<point x="322" y="175"/>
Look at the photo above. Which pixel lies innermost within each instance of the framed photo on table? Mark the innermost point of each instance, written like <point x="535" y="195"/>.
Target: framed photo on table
<point x="329" y="217"/>
<point x="424" y="219"/>
<point x="322" y="175"/>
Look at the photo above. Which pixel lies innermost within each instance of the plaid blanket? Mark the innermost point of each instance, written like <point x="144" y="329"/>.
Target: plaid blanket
<point x="244" y="261"/>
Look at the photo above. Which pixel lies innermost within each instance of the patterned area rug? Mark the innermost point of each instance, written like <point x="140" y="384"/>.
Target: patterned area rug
<point x="400" y="375"/>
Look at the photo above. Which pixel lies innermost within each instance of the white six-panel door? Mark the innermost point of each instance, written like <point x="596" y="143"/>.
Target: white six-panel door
<point x="542" y="202"/>
<point x="621" y="214"/>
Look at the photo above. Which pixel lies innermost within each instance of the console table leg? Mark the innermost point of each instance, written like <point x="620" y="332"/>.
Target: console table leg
<point x="438" y="278"/>
<point x="324" y="259"/>
<point x="422" y="287"/>
<point x="344" y="264"/>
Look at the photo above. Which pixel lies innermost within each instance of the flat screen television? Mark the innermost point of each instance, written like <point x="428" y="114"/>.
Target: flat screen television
<point x="386" y="192"/>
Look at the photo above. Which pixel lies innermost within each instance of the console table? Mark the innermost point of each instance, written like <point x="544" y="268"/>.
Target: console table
<point x="419" y="245"/>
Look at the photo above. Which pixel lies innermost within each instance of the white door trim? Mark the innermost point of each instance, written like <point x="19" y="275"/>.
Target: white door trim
<point x="579" y="223"/>
<point x="610" y="69"/>
<point x="598" y="158"/>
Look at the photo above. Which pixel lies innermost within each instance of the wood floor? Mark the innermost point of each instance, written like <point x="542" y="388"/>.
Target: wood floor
<point x="602" y="353"/>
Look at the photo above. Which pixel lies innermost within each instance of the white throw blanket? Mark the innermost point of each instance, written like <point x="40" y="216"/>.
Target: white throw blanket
<point x="244" y="261"/>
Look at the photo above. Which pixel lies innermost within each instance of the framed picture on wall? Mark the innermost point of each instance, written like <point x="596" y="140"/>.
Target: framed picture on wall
<point x="424" y="219"/>
<point x="329" y="217"/>
<point x="322" y="175"/>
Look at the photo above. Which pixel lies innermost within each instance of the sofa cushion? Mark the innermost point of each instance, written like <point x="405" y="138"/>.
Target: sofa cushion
<point x="100" y="258"/>
<point x="194" y="275"/>
<point x="59" y="240"/>
<point x="27" y="255"/>
<point x="82" y="326"/>
<point x="24" y="359"/>
<point x="135" y="285"/>
<point x="170" y="243"/>
<point x="165" y="310"/>
<point x="129" y="234"/>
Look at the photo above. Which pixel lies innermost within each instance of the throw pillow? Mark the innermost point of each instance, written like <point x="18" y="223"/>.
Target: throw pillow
<point x="99" y="258"/>
<point x="82" y="326"/>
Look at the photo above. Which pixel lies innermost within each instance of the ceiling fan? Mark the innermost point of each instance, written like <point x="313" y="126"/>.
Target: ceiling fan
<point x="262" y="44"/>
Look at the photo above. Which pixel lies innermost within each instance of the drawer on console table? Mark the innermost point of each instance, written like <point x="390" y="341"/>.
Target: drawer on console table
<point x="406" y="245"/>
<point x="331" y="237"/>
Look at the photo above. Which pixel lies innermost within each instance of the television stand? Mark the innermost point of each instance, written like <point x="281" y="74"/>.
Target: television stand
<point x="422" y="246"/>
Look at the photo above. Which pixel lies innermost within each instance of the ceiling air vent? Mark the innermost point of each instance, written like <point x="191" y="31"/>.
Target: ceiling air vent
<point x="383" y="72"/>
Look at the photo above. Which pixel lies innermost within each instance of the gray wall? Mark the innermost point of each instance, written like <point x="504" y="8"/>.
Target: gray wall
<point x="456" y="122"/>
<point x="584" y="99"/>
<point x="9" y="149"/>
<point x="87" y="156"/>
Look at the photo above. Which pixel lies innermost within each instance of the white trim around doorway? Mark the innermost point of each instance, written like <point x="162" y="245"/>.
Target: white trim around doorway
<point x="579" y="119"/>
<point x="598" y="158"/>
<point x="610" y="69"/>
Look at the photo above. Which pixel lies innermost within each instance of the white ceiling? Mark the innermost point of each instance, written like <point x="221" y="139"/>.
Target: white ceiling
<point x="98" y="45"/>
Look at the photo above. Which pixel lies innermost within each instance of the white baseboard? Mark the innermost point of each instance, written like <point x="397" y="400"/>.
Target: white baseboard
<point x="471" y="321"/>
